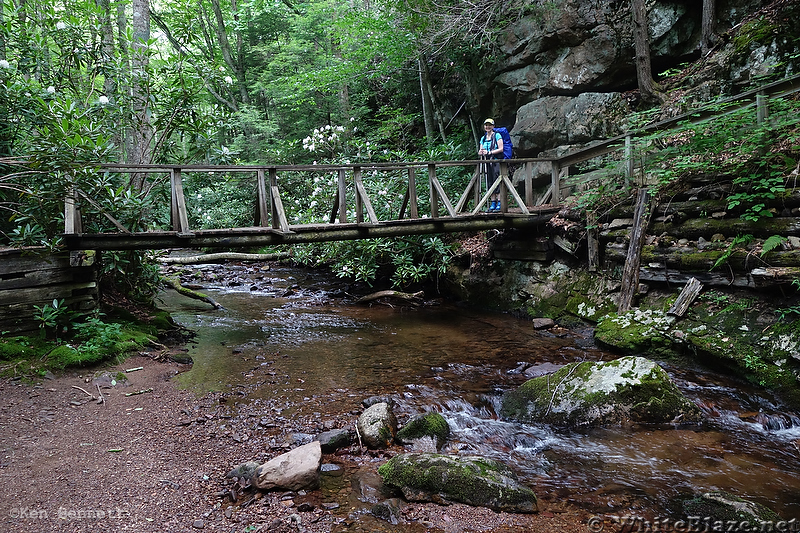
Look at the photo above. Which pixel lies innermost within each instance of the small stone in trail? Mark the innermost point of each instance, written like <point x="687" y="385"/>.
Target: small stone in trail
<point x="329" y="505"/>
<point x="198" y="524"/>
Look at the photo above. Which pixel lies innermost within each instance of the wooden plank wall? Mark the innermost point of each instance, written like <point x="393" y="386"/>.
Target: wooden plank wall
<point x="31" y="277"/>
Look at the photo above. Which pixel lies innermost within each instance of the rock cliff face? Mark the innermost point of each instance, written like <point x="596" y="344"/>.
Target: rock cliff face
<point x="569" y="71"/>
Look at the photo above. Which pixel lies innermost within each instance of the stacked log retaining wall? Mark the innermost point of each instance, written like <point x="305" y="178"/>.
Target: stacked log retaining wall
<point x="31" y="278"/>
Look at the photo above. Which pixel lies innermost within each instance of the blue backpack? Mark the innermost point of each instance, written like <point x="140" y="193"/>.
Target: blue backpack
<point x="508" y="147"/>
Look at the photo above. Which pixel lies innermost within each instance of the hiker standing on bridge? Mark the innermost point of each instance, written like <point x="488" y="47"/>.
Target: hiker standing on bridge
<point x="490" y="147"/>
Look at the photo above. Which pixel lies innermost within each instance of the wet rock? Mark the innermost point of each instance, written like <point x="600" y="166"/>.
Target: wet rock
<point x="443" y="479"/>
<point x="430" y="425"/>
<point x="294" y="470"/>
<point x="388" y="510"/>
<point x="543" y="323"/>
<point x="334" y="439"/>
<point x="541" y="369"/>
<point x="243" y="470"/>
<point x="589" y="393"/>
<point x="377" y="426"/>
<point x="724" y="506"/>
<point x="368" y="486"/>
<point x="330" y="469"/>
<point x="372" y="400"/>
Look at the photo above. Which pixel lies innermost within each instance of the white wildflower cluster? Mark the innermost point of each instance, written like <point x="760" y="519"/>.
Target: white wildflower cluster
<point x="325" y="138"/>
<point x="586" y="311"/>
<point x="658" y="321"/>
<point x="5" y="64"/>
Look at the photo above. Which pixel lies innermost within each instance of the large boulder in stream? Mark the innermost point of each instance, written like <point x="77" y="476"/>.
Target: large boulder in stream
<point x="444" y="479"/>
<point x="628" y="389"/>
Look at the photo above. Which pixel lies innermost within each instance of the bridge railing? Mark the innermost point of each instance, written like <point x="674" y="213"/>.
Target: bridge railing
<point x="350" y="192"/>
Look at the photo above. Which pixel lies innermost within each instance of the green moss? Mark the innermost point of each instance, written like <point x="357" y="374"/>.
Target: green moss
<point x="17" y="348"/>
<point x="471" y="480"/>
<point x="427" y="425"/>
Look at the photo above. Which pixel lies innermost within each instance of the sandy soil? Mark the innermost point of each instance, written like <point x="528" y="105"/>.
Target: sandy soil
<point x="153" y="458"/>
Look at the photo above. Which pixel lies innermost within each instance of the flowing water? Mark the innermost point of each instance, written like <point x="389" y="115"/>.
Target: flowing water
<point x="459" y="362"/>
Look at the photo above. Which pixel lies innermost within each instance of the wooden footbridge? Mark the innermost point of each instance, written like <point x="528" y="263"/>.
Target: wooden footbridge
<point x="423" y="210"/>
<point x="350" y="191"/>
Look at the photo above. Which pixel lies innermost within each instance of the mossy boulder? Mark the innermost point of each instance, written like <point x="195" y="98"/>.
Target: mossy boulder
<point x="721" y="506"/>
<point x="629" y="389"/>
<point x="429" y="425"/>
<point x="471" y="480"/>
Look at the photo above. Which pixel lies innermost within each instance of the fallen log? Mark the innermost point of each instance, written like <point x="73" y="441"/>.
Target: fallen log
<point x="413" y="298"/>
<point x="175" y="283"/>
<point x="222" y="256"/>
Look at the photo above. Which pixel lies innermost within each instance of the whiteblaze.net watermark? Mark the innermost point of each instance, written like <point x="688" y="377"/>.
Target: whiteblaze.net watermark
<point x="691" y="524"/>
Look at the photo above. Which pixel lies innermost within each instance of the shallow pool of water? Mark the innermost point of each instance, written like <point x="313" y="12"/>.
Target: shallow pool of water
<point x="459" y="362"/>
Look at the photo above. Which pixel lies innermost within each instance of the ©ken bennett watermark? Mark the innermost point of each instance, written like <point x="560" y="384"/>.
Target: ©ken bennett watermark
<point x="692" y="524"/>
<point x="65" y="513"/>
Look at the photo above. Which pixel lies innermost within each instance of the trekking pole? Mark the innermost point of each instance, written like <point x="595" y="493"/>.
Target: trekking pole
<point x="485" y="177"/>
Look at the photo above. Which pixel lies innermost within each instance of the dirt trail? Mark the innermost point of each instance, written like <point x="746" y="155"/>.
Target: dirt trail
<point x="153" y="458"/>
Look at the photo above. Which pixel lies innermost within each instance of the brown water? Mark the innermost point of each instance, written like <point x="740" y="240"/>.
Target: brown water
<point x="459" y="362"/>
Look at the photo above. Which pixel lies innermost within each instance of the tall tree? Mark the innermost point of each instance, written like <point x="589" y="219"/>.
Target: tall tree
<point x="708" y="33"/>
<point x="142" y="134"/>
<point x="648" y="88"/>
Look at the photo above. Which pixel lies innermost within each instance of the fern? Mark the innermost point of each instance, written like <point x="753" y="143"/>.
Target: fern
<point x="739" y="240"/>
<point x="772" y="243"/>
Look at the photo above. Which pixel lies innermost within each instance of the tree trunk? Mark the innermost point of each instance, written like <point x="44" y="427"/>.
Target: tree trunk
<point x="708" y="38"/>
<point x="140" y="91"/>
<point x="648" y="88"/>
<point x="437" y="116"/>
<point x="427" y="113"/>
<point x="225" y="47"/>
<point x="2" y="34"/>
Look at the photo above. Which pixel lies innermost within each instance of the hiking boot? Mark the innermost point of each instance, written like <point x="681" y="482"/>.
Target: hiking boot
<point x="495" y="206"/>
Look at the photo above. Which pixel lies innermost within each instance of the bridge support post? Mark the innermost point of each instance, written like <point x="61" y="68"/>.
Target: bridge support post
<point x="412" y="193"/>
<point x="434" y="191"/>
<point x="263" y="200"/>
<point x="180" y="220"/>
<point x="628" y="161"/>
<point x="529" y="184"/>
<point x="72" y="213"/>
<point x="555" y="180"/>
<point x="503" y="188"/>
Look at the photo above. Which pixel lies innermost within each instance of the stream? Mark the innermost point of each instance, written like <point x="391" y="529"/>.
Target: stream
<point x="459" y="361"/>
